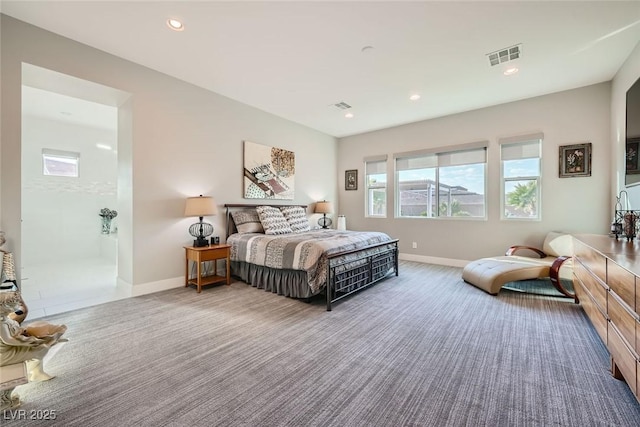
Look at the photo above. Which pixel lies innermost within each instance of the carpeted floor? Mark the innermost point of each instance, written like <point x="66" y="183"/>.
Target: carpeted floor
<point x="421" y="349"/>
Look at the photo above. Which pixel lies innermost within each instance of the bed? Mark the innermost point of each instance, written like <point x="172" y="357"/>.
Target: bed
<point x="300" y="262"/>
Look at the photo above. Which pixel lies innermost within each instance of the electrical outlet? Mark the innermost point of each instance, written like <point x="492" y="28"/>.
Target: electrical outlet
<point x="414" y="245"/>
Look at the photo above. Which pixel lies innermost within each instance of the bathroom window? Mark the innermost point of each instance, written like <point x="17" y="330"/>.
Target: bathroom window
<point x="60" y="163"/>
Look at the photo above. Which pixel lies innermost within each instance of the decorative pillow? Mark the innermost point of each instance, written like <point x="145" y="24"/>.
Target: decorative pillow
<point x="297" y="218"/>
<point x="273" y="221"/>
<point x="247" y="221"/>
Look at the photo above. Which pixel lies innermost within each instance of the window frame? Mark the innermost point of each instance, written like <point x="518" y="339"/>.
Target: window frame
<point x="513" y="142"/>
<point x="438" y="156"/>
<point x="380" y="168"/>
<point x="60" y="155"/>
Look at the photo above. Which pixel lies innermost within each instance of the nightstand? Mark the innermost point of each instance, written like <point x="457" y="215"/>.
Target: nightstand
<point x="207" y="253"/>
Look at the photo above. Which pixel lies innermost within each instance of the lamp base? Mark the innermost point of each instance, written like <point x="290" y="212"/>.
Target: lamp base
<point x="200" y="242"/>
<point x="324" y="221"/>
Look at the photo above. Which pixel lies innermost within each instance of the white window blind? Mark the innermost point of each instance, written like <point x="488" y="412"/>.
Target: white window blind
<point x="521" y="147"/>
<point x="377" y="167"/>
<point x="520" y="150"/>
<point x="412" y="163"/>
<point x="459" y="158"/>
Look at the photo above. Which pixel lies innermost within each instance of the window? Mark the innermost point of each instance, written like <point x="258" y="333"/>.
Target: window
<point x="60" y="163"/>
<point x="376" y="185"/>
<point x="520" y="173"/>
<point x="434" y="183"/>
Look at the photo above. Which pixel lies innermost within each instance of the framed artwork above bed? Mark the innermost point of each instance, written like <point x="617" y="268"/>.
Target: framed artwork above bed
<point x="269" y="172"/>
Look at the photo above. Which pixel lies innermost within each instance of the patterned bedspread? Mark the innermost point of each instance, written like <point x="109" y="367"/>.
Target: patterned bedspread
<point x="302" y="251"/>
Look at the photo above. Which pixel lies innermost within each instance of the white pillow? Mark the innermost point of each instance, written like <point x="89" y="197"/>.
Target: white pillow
<point x="273" y="221"/>
<point x="297" y="218"/>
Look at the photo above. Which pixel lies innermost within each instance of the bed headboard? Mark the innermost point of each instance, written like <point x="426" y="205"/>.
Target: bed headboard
<point x="230" y="207"/>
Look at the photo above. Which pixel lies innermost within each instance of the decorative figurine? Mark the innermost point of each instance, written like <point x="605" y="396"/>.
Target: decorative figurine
<point x="28" y="344"/>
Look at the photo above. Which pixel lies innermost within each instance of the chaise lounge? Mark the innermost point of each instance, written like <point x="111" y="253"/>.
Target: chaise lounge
<point x="490" y="274"/>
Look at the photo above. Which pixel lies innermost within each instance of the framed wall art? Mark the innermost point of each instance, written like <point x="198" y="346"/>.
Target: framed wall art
<point x="575" y="160"/>
<point x="269" y="172"/>
<point x="351" y="179"/>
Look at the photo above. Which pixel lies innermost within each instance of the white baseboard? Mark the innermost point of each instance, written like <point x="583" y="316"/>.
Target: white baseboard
<point x="433" y="260"/>
<point x="151" y="287"/>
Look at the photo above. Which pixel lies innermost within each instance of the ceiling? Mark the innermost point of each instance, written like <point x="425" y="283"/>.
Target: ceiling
<point x="297" y="59"/>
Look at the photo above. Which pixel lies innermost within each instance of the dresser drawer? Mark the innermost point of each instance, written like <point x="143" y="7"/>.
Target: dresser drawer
<point x="593" y="285"/>
<point x="622" y="282"/>
<point x="592" y="260"/>
<point x="638" y="296"/>
<point x="638" y="338"/>
<point x="623" y="359"/>
<point x="622" y="318"/>
<point x="598" y="319"/>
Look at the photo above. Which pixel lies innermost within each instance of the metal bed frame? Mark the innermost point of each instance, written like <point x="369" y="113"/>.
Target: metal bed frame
<point x="348" y="272"/>
<point x="347" y="276"/>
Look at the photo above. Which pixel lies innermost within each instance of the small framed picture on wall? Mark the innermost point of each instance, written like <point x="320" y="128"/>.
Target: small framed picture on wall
<point x="351" y="179"/>
<point x="575" y="160"/>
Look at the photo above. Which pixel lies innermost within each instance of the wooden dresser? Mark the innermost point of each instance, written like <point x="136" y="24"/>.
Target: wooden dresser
<point x="606" y="277"/>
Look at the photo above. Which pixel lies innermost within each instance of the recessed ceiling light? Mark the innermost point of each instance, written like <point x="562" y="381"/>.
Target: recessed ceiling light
<point x="175" y="25"/>
<point x="414" y="97"/>
<point x="509" y="71"/>
<point x="349" y="115"/>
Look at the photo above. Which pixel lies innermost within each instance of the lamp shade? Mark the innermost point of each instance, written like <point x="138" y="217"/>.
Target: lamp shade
<point x="200" y="206"/>
<point x="323" y="207"/>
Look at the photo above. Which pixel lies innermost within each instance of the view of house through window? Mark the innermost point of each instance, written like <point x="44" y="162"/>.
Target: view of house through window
<point x="60" y="163"/>
<point x="521" y="179"/>
<point x="376" y="186"/>
<point x="441" y="184"/>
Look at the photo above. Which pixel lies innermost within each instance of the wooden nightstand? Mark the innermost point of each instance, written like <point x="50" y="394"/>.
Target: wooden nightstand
<point x="207" y="253"/>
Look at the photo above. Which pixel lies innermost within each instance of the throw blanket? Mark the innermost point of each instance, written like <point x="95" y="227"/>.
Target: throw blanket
<point x="300" y="251"/>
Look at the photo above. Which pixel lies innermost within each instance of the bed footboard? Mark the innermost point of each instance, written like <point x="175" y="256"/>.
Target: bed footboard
<point x="352" y="271"/>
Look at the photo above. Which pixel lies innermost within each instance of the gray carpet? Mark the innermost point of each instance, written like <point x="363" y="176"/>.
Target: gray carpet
<point x="421" y="349"/>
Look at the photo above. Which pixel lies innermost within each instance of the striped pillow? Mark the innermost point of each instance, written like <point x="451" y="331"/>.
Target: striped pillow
<point x="273" y="221"/>
<point x="297" y="218"/>
<point x="247" y="221"/>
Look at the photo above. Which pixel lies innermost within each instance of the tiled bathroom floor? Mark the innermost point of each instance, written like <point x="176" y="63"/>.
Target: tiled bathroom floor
<point x="55" y="288"/>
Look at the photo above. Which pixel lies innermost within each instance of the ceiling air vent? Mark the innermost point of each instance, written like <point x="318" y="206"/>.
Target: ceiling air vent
<point x="342" y="105"/>
<point x="505" y="55"/>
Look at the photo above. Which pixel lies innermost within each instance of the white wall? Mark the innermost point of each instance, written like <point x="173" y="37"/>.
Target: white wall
<point x="624" y="78"/>
<point x="568" y="204"/>
<point x="60" y="219"/>
<point x="185" y="141"/>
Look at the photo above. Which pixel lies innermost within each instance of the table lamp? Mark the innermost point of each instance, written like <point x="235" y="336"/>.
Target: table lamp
<point x="324" y="208"/>
<point x="200" y="206"/>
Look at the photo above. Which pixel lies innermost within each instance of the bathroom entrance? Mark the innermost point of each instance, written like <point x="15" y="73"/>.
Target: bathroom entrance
<point x="69" y="193"/>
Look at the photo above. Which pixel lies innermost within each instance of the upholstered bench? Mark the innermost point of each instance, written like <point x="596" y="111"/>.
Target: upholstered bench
<point x="490" y="274"/>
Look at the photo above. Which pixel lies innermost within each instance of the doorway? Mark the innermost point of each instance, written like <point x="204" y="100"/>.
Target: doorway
<point x="69" y="178"/>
